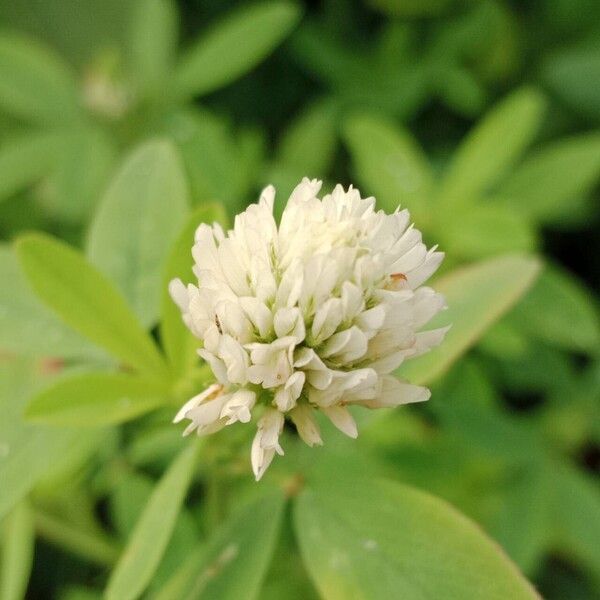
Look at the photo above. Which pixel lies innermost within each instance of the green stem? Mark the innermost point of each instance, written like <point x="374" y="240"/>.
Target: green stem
<point x="95" y="548"/>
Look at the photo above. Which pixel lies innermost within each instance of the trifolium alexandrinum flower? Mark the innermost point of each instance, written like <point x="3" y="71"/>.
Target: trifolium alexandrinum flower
<point x="313" y="314"/>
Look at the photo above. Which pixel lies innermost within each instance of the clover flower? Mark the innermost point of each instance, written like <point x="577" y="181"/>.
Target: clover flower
<point x="312" y="314"/>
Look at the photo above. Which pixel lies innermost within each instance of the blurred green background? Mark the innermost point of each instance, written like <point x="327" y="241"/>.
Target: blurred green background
<point x="480" y="116"/>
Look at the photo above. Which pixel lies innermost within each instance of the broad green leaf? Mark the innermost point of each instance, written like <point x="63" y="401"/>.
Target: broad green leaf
<point x="23" y="318"/>
<point x="18" y="538"/>
<point x="153" y="530"/>
<point x="86" y="300"/>
<point x="377" y="539"/>
<point x="25" y="159"/>
<point x="140" y="215"/>
<point x="546" y="184"/>
<point x="575" y="515"/>
<point x="389" y="164"/>
<point x="477" y="296"/>
<point x="309" y="143"/>
<point x="152" y="43"/>
<point x="34" y="82"/>
<point x="492" y="147"/>
<point x="560" y="311"/>
<point x="483" y="230"/>
<point x="83" y="164"/>
<point x="180" y="345"/>
<point x="234" y="46"/>
<point x="29" y="453"/>
<point x="236" y="558"/>
<point x="95" y="399"/>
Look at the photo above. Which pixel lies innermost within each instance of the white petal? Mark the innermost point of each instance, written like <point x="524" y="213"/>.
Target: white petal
<point x="422" y="273"/>
<point x="307" y="427"/>
<point x="238" y="407"/>
<point x="179" y="294"/>
<point x="394" y="393"/>
<point x="342" y="419"/>
<point x="327" y="319"/>
<point x="286" y="396"/>
<point x="209" y="392"/>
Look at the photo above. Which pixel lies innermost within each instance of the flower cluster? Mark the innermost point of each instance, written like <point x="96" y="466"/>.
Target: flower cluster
<point x="313" y="314"/>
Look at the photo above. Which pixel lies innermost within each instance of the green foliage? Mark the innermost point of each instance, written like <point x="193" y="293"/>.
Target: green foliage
<point x="477" y="117"/>
<point x="95" y="399"/>
<point x="219" y="57"/>
<point x="136" y="222"/>
<point x="35" y="84"/>
<point x="17" y="552"/>
<point x="25" y="159"/>
<point x="86" y="301"/>
<point x="492" y="147"/>
<point x="23" y="316"/>
<point x="234" y="561"/>
<point x="353" y="554"/>
<point x="152" y="531"/>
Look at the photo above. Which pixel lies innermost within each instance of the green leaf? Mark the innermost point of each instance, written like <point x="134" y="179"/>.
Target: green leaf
<point x="483" y="230"/>
<point x="153" y="530"/>
<point x="23" y="317"/>
<point x="545" y="186"/>
<point x="575" y="515"/>
<point x="234" y="46"/>
<point x="379" y="539"/>
<point x="94" y="400"/>
<point x="390" y="164"/>
<point x="17" y="552"/>
<point x="83" y="163"/>
<point x="93" y="545"/>
<point x="73" y="592"/>
<point x="411" y="8"/>
<point x="25" y="159"/>
<point x="504" y="341"/>
<point x="86" y="300"/>
<point x="308" y="145"/>
<point x="34" y="82"/>
<point x="560" y="311"/>
<point x="574" y="75"/>
<point x="152" y="43"/>
<point x="180" y="345"/>
<point x="236" y="558"/>
<point x="29" y="453"/>
<point x="211" y="157"/>
<point x="492" y="147"/>
<point x="287" y="577"/>
<point x="477" y="296"/>
<point x="126" y="503"/>
<point x="140" y="215"/>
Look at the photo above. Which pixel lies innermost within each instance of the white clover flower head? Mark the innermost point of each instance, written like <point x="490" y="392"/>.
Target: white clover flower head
<point x="312" y="314"/>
